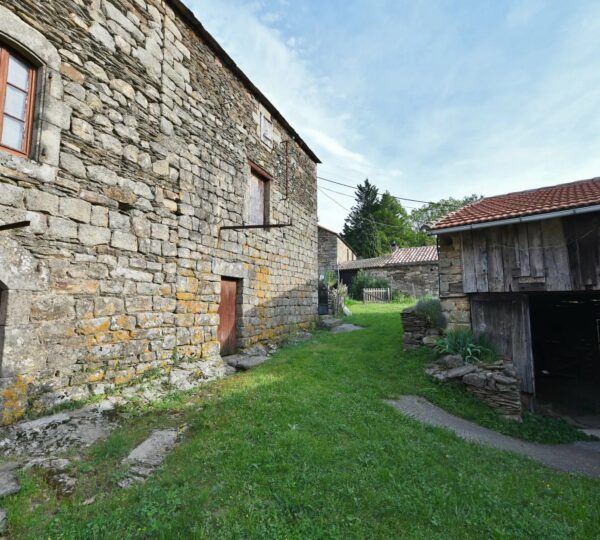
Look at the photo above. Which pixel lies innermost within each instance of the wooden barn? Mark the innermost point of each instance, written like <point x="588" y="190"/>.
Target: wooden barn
<point x="524" y="268"/>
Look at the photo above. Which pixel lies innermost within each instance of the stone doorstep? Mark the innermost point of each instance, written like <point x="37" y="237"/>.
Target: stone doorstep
<point x="329" y="322"/>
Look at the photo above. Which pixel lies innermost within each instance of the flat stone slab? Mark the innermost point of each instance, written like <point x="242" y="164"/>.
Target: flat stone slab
<point x="249" y="362"/>
<point x="460" y="371"/>
<point x="346" y="327"/>
<point x="329" y="322"/>
<point x="244" y="362"/>
<point x="8" y="483"/>
<point x="154" y="449"/>
<point x="579" y="457"/>
<point x="145" y="457"/>
<point x="58" y="432"/>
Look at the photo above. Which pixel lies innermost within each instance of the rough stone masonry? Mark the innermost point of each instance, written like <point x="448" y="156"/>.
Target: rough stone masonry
<point x="144" y="130"/>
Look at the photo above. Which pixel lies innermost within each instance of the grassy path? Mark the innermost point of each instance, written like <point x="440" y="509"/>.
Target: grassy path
<point x="304" y="447"/>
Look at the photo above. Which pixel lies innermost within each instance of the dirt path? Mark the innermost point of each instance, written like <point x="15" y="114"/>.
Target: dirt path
<point x="580" y="457"/>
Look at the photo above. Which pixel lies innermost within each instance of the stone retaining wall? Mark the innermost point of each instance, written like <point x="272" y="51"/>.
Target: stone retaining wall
<point x="418" y="331"/>
<point x="496" y="384"/>
<point x="415" y="280"/>
<point x="143" y="135"/>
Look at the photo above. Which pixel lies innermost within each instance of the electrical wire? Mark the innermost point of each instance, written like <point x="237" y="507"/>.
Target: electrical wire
<point x="348" y="210"/>
<point x="354" y="196"/>
<point x="354" y="187"/>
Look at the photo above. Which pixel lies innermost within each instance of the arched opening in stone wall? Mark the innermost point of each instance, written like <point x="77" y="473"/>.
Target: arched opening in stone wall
<point x="3" y="313"/>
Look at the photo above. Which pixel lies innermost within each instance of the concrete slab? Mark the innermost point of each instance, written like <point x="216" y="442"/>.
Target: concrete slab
<point x="580" y="457"/>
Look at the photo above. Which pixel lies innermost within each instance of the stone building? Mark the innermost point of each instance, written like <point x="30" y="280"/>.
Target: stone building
<point x="332" y="250"/>
<point x="412" y="271"/>
<point x="133" y="151"/>
<point x="524" y="269"/>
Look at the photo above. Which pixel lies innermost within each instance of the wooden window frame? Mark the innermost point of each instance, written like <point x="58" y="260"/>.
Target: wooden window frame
<point x="5" y="54"/>
<point x="263" y="175"/>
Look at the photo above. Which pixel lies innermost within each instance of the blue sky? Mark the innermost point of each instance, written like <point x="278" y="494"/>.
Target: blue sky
<point x="428" y="99"/>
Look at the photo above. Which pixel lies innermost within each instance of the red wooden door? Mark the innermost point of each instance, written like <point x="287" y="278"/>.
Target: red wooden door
<point x="227" y="333"/>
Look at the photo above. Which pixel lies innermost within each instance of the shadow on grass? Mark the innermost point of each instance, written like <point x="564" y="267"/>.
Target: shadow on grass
<point x="304" y="447"/>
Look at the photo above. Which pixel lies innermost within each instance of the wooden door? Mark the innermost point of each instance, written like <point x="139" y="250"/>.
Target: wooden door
<point x="227" y="333"/>
<point x="504" y="318"/>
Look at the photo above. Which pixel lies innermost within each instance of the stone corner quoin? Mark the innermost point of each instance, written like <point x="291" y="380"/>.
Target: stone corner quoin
<point x="141" y="143"/>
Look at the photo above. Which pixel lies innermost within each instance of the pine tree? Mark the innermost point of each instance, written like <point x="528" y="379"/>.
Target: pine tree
<point x="394" y="225"/>
<point x="360" y="230"/>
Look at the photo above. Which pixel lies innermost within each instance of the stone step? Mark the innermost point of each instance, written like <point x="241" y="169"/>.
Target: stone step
<point x="329" y="322"/>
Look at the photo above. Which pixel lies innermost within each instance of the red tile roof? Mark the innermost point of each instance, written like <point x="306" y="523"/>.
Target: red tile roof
<point x="524" y="203"/>
<point x="411" y="255"/>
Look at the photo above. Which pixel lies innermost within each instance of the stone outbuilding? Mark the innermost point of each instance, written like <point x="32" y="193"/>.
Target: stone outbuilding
<point x="333" y="250"/>
<point x="524" y="269"/>
<point x="412" y="271"/>
<point x="156" y="210"/>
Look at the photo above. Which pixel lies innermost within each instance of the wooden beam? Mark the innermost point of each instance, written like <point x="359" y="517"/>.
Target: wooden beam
<point x="17" y="225"/>
<point x="264" y="226"/>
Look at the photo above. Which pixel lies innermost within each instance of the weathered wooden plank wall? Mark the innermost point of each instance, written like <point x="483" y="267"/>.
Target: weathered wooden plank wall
<point x="505" y="320"/>
<point x="551" y="255"/>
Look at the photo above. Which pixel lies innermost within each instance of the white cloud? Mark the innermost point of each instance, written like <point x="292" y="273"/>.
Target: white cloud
<point x="277" y="66"/>
<point x="425" y="99"/>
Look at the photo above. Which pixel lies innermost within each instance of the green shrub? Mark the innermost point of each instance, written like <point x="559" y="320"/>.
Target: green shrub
<point x="472" y="349"/>
<point x="364" y="280"/>
<point x="329" y="278"/>
<point x="431" y="309"/>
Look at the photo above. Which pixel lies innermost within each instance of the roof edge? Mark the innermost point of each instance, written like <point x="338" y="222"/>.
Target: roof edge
<point x="188" y="16"/>
<point x="338" y="235"/>
<point x="520" y="219"/>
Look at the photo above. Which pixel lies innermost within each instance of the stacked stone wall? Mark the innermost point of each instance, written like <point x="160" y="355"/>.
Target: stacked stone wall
<point x="332" y="251"/>
<point x="143" y="138"/>
<point x="455" y="303"/>
<point x="411" y="279"/>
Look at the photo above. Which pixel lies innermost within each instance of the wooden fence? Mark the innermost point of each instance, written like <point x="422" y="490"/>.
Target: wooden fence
<point x="371" y="296"/>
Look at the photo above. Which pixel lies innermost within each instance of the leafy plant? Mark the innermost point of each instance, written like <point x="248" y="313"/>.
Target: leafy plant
<point x="364" y="280"/>
<point x="462" y="341"/>
<point x="431" y="309"/>
<point x="329" y="278"/>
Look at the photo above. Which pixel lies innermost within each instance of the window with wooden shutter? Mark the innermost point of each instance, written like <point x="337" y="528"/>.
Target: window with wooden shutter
<point x="17" y="93"/>
<point x="258" y="196"/>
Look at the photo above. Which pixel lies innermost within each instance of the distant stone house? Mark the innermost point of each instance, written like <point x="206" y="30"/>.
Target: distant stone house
<point x="148" y="215"/>
<point x="333" y="250"/>
<point x="524" y="269"/>
<point x="412" y="271"/>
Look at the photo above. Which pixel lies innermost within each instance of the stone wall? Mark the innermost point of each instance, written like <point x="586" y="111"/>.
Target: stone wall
<point x="332" y="251"/>
<point x="412" y="279"/>
<point x="141" y="146"/>
<point x="495" y="384"/>
<point x="417" y="330"/>
<point x="455" y="303"/>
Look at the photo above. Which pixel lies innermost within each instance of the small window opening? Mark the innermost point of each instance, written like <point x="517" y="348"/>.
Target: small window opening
<point x="3" y="315"/>
<point x="17" y="91"/>
<point x="258" y="196"/>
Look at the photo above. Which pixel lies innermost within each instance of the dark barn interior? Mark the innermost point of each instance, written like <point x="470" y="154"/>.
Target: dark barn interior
<point x="566" y="352"/>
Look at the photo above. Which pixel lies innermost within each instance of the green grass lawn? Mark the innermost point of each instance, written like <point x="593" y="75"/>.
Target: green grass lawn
<point x="304" y="447"/>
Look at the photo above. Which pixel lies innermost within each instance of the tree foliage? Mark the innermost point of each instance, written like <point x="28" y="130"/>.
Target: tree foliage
<point x="433" y="211"/>
<point x="360" y="230"/>
<point x="377" y="221"/>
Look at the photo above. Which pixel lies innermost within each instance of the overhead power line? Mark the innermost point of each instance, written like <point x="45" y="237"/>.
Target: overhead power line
<point x="354" y="187"/>
<point x="353" y="197"/>
<point x="348" y="210"/>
